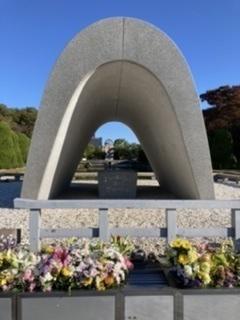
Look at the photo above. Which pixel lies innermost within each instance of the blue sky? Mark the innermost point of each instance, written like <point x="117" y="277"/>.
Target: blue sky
<point x="34" y="32"/>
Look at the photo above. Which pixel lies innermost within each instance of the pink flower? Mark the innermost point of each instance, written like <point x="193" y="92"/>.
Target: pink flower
<point x="61" y="254"/>
<point x="28" y="275"/>
<point x="128" y="263"/>
<point x="32" y="286"/>
<point x="5" y="288"/>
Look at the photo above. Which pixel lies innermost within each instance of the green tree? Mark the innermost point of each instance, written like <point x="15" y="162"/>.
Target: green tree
<point x="121" y="149"/>
<point x="221" y="148"/>
<point x="224" y="113"/>
<point x="98" y="153"/>
<point x="20" y="120"/>
<point x="92" y="152"/>
<point x="23" y="120"/>
<point x="4" y="112"/>
<point x="89" y="151"/>
<point x="134" y="150"/>
<point x="120" y="143"/>
<point x="235" y="132"/>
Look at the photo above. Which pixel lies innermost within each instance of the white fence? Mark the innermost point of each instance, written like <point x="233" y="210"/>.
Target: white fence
<point x="103" y="231"/>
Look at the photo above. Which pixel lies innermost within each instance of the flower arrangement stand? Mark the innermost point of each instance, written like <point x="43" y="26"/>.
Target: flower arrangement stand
<point x="61" y="306"/>
<point x="130" y="303"/>
<point x="210" y="304"/>
<point x="7" y="306"/>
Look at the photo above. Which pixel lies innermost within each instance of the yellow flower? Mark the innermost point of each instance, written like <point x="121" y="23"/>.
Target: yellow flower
<point x="205" y="267"/>
<point x="3" y="282"/>
<point x="9" y="278"/>
<point x="192" y="255"/>
<point x="66" y="272"/>
<point x="186" y="244"/>
<point x="100" y="284"/>
<point x="87" y="282"/>
<point x="48" y="249"/>
<point x="205" y="277"/>
<point x="181" y="244"/>
<point x="176" y="243"/>
<point x="9" y="255"/>
<point x="183" y="259"/>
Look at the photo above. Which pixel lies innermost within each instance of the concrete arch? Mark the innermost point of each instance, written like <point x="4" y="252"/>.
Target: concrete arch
<point x="126" y="70"/>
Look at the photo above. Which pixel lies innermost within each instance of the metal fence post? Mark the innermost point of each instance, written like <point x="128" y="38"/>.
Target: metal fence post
<point x="235" y="215"/>
<point x="34" y="229"/>
<point x="171" y="222"/>
<point x="103" y="224"/>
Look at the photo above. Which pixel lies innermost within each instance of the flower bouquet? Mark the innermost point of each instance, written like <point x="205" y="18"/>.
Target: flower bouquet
<point x="65" y="266"/>
<point x="199" y="265"/>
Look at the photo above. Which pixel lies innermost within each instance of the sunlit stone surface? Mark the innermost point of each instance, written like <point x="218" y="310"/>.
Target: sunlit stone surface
<point x="125" y="70"/>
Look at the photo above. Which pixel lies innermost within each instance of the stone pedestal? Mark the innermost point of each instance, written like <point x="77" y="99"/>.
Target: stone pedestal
<point x="117" y="184"/>
<point x="6" y="308"/>
<point x="62" y="308"/>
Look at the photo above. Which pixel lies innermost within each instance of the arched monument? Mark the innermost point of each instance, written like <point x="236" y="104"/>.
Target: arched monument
<point x="126" y="70"/>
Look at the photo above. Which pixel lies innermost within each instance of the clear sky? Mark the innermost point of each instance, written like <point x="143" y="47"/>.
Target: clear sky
<point x="34" y="32"/>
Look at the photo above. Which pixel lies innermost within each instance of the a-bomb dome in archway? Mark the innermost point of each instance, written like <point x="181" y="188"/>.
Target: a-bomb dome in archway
<point x="121" y="69"/>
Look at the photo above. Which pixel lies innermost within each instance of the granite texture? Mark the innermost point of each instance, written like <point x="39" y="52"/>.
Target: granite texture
<point x="211" y="307"/>
<point x="5" y="309"/>
<point x="113" y="184"/>
<point x="74" y="308"/>
<point x="149" y="307"/>
<point x="121" y="69"/>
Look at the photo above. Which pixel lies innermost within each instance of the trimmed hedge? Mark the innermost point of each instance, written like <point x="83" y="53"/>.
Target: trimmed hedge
<point x="24" y="143"/>
<point x="13" y="147"/>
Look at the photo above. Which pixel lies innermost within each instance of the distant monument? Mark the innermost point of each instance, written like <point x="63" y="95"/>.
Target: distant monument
<point x="109" y="150"/>
<point x="126" y="70"/>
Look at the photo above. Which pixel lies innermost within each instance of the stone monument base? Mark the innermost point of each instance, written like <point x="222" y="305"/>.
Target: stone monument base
<point x="117" y="184"/>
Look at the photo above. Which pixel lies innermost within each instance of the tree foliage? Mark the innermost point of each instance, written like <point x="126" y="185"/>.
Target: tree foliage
<point x="222" y="121"/>
<point x="92" y="152"/>
<point x="121" y="149"/>
<point x="129" y="151"/>
<point x="20" y="120"/>
<point x="221" y="148"/>
<point x="225" y="107"/>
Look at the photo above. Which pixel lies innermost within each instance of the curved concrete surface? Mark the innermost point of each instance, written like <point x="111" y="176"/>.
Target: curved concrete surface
<point x="125" y="70"/>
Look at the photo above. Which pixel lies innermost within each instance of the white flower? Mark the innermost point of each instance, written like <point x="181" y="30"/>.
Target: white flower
<point x="48" y="277"/>
<point x="188" y="270"/>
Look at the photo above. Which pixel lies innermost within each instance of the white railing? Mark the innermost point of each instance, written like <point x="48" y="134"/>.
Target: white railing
<point x="103" y="231"/>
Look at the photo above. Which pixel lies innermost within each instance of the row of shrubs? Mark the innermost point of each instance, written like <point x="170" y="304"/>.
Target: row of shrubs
<point x="13" y="147"/>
